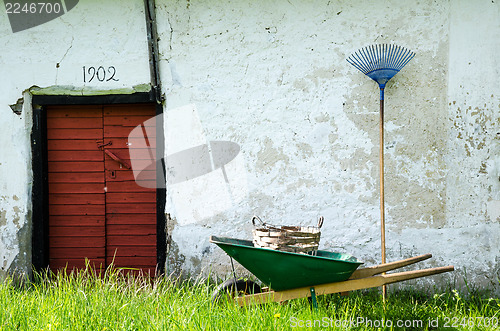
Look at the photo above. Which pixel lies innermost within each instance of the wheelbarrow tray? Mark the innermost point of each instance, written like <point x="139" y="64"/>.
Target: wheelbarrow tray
<point x="285" y="270"/>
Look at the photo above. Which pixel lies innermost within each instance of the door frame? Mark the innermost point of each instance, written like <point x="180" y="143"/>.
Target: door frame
<point x="40" y="188"/>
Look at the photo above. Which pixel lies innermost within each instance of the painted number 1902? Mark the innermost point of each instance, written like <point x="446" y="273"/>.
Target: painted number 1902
<point x="100" y="73"/>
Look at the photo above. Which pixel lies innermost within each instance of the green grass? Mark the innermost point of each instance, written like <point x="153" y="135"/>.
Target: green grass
<point x="85" y="301"/>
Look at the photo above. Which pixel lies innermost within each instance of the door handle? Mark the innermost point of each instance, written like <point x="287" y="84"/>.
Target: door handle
<point x="116" y="158"/>
<point x="103" y="144"/>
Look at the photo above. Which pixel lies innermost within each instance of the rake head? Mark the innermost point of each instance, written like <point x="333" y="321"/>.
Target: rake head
<point x="381" y="62"/>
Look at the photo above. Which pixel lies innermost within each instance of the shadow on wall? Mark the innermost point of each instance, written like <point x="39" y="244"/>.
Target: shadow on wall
<point x="204" y="177"/>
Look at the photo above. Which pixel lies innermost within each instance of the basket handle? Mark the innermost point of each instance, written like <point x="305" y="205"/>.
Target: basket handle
<point x="320" y="222"/>
<point x="255" y="217"/>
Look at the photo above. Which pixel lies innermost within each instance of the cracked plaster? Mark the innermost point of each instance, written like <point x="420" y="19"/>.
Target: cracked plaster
<point x="272" y="77"/>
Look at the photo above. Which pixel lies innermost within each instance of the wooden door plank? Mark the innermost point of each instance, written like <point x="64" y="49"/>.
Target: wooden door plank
<point x="128" y="110"/>
<point x="74" y="122"/>
<point x="77" y="220"/>
<point x="74" y="156"/>
<point x="74" y="177"/>
<point x="114" y="197"/>
<point x="136" y="261"/>
<point x="71" y="166"/>
<point x="131" y="251"/>
<point x="131" y="229"/>
<point x="130" y="120"/>
<point x="122" y="175"/>
<point x="134" y="240"/>
<point x="136" y="164"/>
<point x="76" y="188"/>
<point x="77" y="199"/>
<point x="76" y="231"/>
<point x="70" y="145"/>
<point x="70" y="264"/>
<point x="133" y="142"/>
<point x="131" y="208"/>
<point x="131" y="218"/>
<point x="76" y="134"/>
<point x="80" y="253"/>
<point x="113" y="132"/>
<point x="77" y="242"/>
<point x="74" y="111"/>
<point x="117" y="131"/>
<point x="123" y="187"/>
<point x="68" y="210"/>
<point x="136" y="153"/>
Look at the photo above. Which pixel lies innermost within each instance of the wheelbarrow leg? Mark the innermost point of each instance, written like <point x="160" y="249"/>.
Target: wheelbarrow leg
<point x="234" y="272"/>
<point x="314" y="302"/>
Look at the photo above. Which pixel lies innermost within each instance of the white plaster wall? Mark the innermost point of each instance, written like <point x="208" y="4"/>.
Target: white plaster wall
<point x="51" y="56"/>
<point x="272" y="77"/>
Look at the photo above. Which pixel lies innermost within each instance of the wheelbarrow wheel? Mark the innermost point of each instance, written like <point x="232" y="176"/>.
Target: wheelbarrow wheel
<point x="232" y="288"/>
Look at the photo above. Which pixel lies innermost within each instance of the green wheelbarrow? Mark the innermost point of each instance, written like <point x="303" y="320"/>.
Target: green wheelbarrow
<point x="295" y="275"/>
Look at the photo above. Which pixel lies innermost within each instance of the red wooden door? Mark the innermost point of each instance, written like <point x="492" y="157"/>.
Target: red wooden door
<point x="96" y="209"/>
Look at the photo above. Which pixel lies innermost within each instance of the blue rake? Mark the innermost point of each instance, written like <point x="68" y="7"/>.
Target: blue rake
<point x="380" y="63"/>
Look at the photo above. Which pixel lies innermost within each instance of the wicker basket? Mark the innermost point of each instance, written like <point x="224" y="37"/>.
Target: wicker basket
<point x="296" y="239"/>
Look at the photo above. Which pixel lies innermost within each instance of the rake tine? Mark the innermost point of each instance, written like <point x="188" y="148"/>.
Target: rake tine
<point x="410" y="56"/>
<point x="355" y="61"/>
<point x="380" y="51"/>
<point x="368" y="52"/>
<point x="406" y="57"/>
<point x="373" y="58"/>
<point x="350" y="60"/>
<point x="402" y="58"/>
<point x="363" y="61"/>
<point x="355" y="64"/>
<point x="390" y="56"/>
<point x="380" y="58"/>
<point x="395" y="52"/>
<point x="373" y="52"/>
<point x="399" y="59"/>
<point x="386" y="55"/>
<point x="376" y="56"/>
